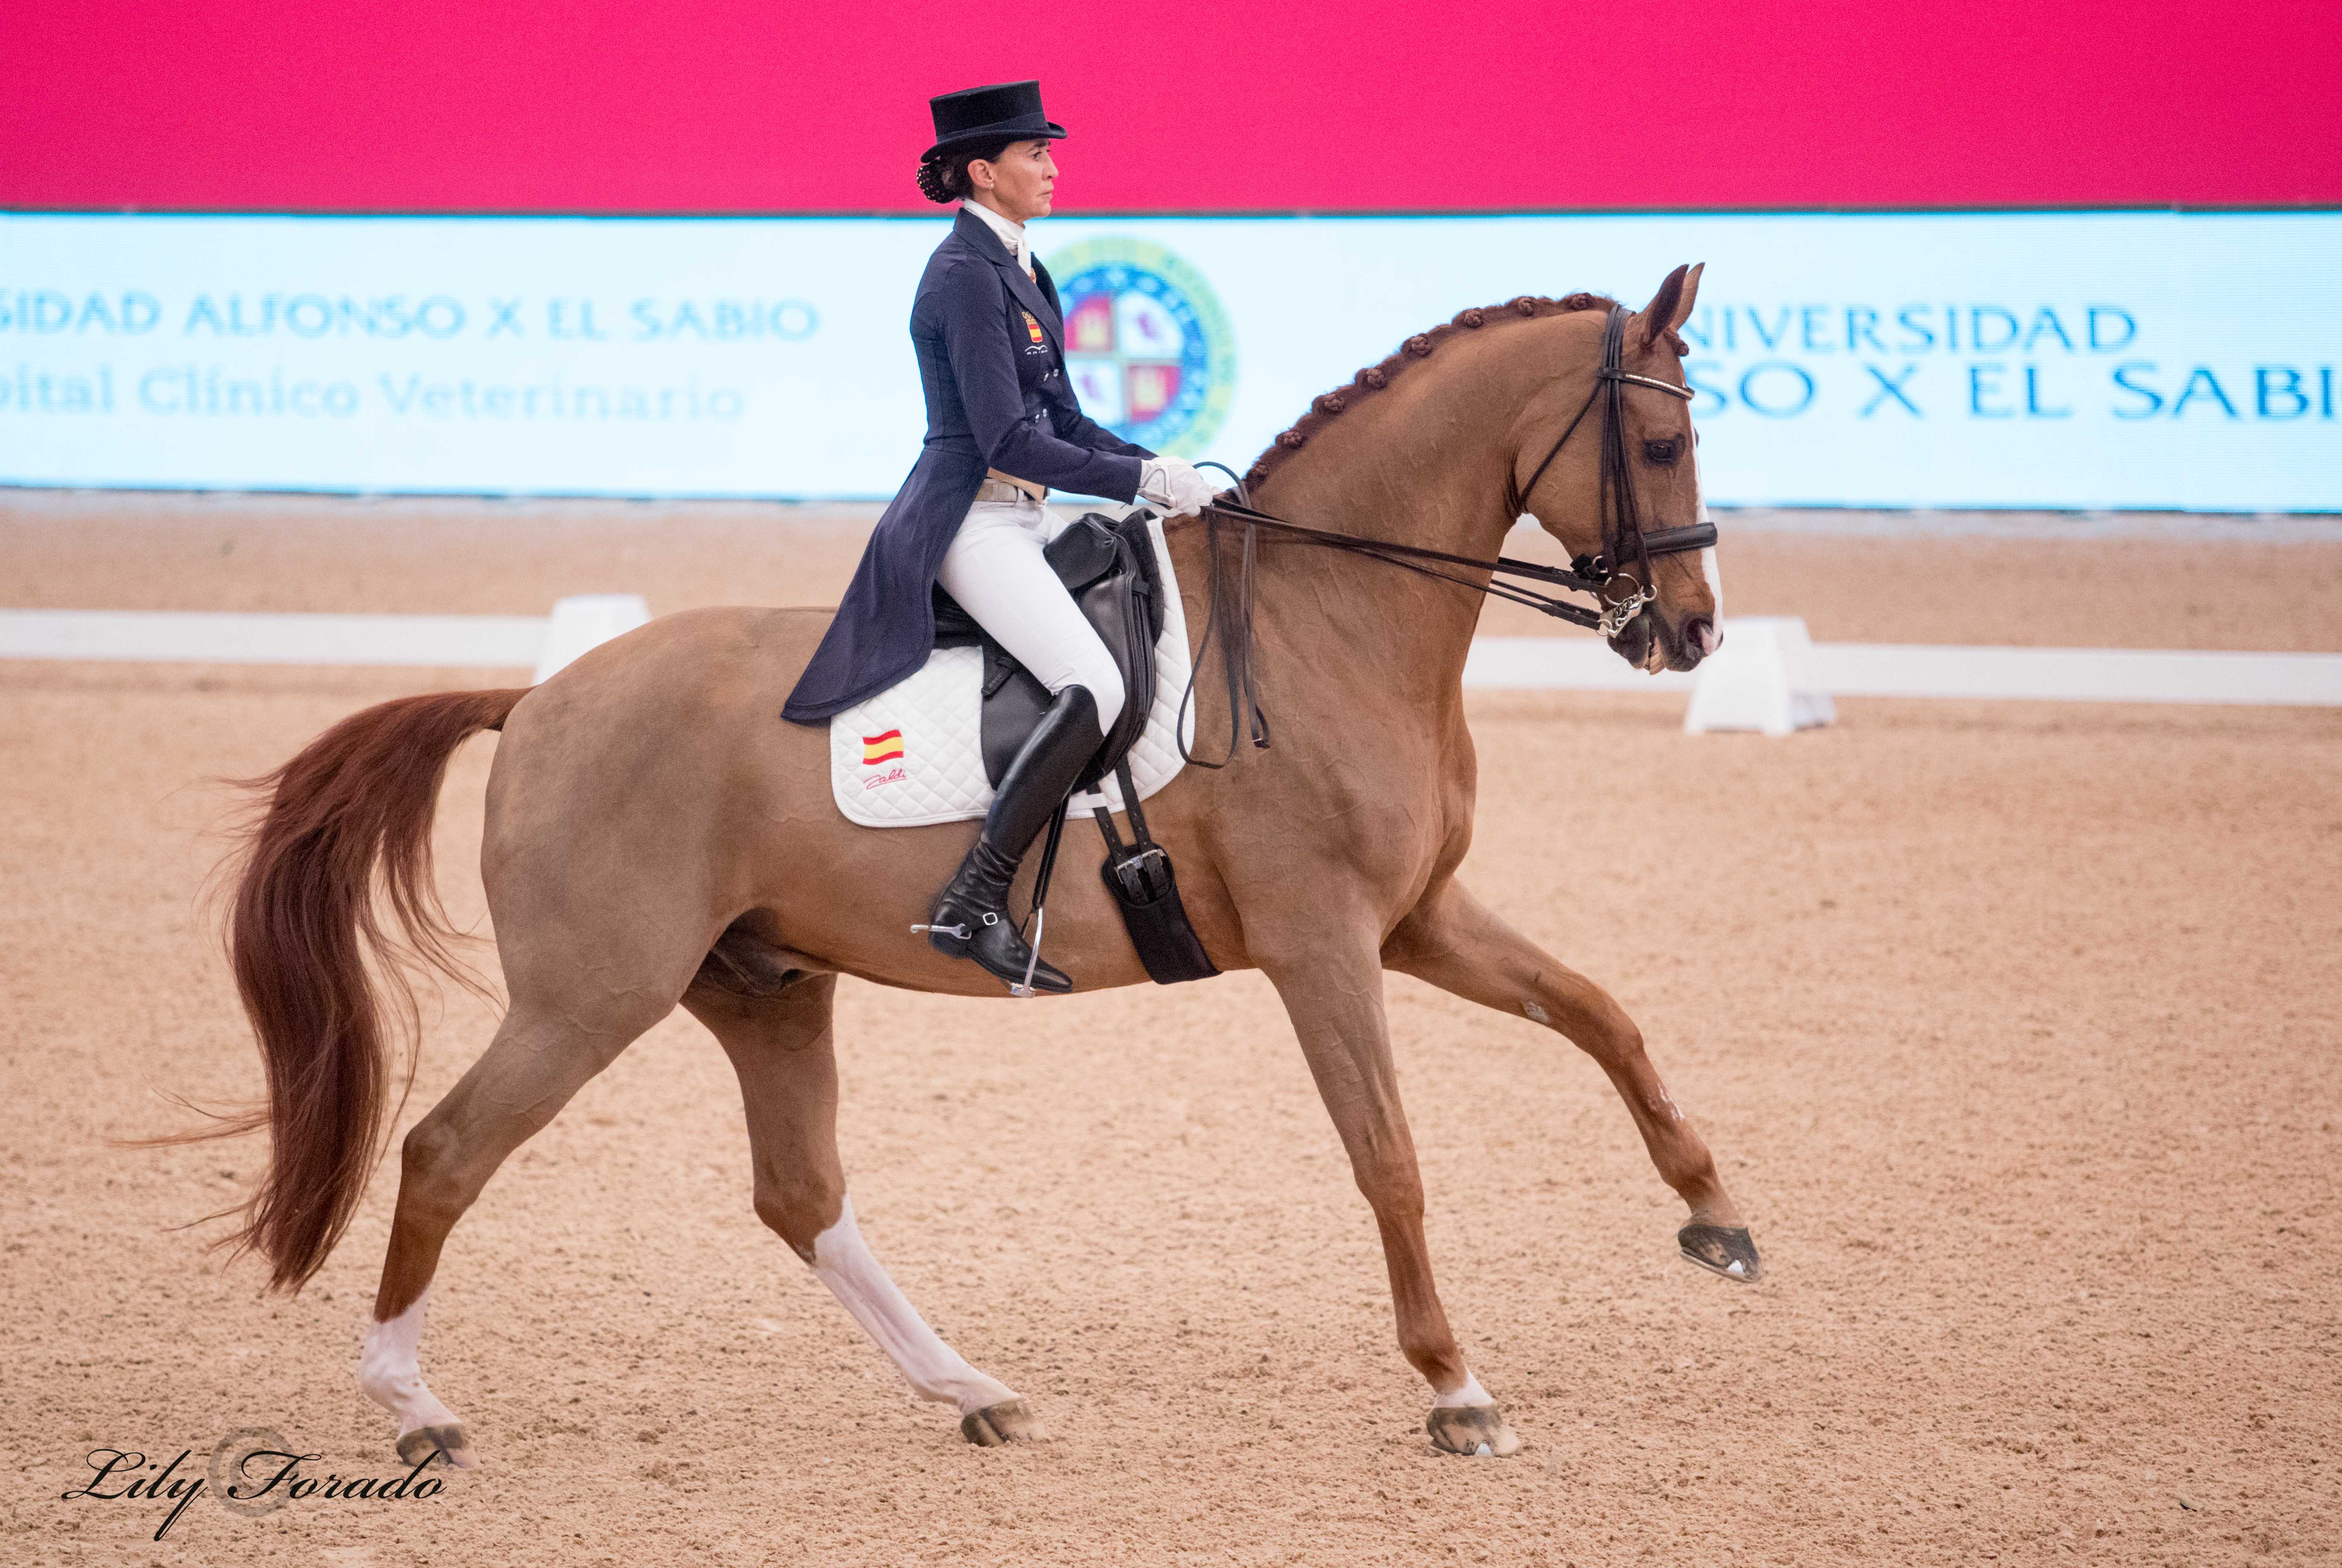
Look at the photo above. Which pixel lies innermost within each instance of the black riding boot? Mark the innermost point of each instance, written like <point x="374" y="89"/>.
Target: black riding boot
<point x="971" y="918"/>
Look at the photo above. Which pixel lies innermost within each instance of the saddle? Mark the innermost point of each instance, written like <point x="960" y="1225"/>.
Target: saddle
<point x="1108" y="566"/>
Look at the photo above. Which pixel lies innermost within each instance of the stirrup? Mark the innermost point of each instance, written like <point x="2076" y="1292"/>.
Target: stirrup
<point x="1032" y="965"/>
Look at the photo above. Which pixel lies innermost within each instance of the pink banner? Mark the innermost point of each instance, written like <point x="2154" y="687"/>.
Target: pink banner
<point x="702" y="107"/>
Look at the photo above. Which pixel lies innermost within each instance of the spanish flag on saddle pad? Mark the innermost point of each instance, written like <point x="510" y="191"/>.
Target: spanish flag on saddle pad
<point x="882" y="747"/>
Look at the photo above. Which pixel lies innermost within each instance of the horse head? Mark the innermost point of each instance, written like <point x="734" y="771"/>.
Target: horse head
<point x="1605" y="490"/>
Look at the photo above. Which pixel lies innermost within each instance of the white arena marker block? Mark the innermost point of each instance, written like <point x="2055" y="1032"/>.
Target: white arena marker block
<point x="1761" y="679"/>
<point x="586" y="621"/>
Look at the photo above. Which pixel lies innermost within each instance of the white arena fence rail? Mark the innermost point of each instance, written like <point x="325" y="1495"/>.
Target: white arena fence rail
<point x="1769" y="676"/>
<point x="543" y="643"/>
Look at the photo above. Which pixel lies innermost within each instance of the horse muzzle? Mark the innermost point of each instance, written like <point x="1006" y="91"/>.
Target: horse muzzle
<point x="1649" y="644"/>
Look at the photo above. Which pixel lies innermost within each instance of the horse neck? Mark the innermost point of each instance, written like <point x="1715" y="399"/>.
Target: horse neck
<point x="1424" y="463"/>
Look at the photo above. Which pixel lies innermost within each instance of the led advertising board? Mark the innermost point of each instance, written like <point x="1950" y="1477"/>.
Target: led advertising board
<point x="1989" y="360"/>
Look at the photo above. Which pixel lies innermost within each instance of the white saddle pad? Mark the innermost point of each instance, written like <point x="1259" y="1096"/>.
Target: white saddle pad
<point x="914" y="754"/>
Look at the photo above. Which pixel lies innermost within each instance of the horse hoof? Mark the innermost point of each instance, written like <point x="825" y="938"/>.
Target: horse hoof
<point x="416" y="1447"/>
<point x="1721" y="1251"/>
<point x="1010" y="1421"/>
<point x="1475" y="1430"/>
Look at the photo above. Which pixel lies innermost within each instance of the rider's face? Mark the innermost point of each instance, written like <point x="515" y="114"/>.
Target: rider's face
<point x="1018" y="183"/>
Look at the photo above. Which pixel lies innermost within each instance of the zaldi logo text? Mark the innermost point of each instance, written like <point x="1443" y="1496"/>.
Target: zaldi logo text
<point x="1149" y="349"/>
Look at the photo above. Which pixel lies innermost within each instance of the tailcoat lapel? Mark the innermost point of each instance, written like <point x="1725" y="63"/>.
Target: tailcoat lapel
<point x="986" y="243"/>
<point x="1052" y="318"/>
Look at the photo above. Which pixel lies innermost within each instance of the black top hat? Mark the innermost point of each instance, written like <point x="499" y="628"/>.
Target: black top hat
<point x="1010" y="110"/>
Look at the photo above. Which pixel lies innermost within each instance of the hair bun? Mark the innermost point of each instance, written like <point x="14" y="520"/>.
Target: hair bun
<point x="932" y="175"/>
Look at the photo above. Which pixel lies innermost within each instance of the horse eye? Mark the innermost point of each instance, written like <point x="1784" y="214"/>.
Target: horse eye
<point x="1660" y="452"/>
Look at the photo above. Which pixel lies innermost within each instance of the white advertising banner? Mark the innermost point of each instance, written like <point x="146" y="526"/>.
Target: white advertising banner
<point x="1991" y="360"/>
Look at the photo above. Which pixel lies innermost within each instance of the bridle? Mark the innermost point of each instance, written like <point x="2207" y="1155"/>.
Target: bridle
<point x="1623" y="539"/>
<point x="1622" y="519"/>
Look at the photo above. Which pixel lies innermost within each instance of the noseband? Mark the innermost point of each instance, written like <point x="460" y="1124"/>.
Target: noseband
<point x="1623" y="539"/>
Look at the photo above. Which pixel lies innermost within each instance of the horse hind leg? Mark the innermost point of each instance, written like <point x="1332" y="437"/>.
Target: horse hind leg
<point x="544" y="1051"/>
<point x="774" y="1023"/>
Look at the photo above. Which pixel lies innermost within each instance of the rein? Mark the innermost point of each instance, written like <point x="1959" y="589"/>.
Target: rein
<point x="1588" y="574"/>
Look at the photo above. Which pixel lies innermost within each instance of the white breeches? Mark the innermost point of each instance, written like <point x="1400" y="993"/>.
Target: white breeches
<point x="996" y="570"/>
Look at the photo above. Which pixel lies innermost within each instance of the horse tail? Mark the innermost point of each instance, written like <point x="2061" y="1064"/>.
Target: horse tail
<point x="314" y="963"/>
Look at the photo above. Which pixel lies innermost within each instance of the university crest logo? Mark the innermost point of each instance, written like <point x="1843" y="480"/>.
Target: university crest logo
<point x="1147" y="346"/>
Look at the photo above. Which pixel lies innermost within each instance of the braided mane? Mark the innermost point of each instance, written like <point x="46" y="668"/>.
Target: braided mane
<point x="1323" y="407"/>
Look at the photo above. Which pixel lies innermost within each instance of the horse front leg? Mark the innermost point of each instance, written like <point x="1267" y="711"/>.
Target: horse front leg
<point x="1451" y="940"/>
<point x="1335" y="999"/>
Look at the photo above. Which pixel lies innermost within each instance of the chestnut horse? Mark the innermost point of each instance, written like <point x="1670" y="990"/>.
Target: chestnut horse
<point x="656" y="834"/>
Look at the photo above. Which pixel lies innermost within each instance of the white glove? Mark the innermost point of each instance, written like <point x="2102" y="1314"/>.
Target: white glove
<point x="1174" y="485"/>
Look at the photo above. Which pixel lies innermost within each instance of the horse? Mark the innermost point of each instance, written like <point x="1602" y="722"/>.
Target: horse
<point x="655" y="835"/>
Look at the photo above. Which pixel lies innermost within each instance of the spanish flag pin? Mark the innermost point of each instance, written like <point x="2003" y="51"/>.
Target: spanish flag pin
<point x="1032" y="327"/>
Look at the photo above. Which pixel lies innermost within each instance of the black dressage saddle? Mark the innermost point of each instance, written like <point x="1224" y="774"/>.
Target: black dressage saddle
<point x="1109" y="567"/>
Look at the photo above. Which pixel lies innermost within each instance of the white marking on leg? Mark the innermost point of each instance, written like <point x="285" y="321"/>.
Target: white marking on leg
<point x="1537" y="1014"/>
<point x="843" y="1260"/>
<point x="1465" y="1394"/>
<point x="390" y="1374"/>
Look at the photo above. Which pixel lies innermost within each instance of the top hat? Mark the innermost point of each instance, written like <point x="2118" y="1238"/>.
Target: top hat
<point x="1009" y="111"/>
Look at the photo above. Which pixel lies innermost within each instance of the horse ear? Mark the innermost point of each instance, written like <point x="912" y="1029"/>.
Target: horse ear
<point x="1691" y="296"/>
<point x="1671" y="306"/>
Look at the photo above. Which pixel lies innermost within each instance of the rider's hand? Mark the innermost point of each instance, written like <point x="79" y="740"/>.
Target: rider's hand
<point x="1174" y="485"/>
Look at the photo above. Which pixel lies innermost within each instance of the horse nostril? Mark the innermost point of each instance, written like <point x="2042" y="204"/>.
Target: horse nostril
<point x="1700" y="634"/>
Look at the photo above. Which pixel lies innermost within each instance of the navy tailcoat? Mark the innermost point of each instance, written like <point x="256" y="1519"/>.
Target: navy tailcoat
<point x="992" y="363"/>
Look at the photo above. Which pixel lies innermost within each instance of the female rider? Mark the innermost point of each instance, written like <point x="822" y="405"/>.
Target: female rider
<point x="1003" y="427"/>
